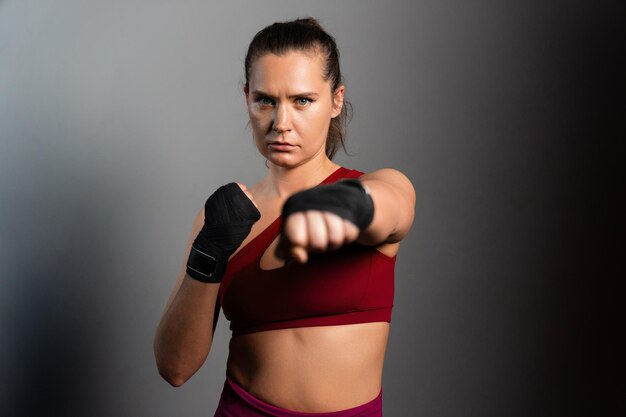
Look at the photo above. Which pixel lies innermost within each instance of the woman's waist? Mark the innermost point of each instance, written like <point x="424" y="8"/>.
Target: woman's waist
<point x="313" y="368"/>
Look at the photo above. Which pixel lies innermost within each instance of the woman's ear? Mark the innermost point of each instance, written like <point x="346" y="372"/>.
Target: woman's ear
<point x="245" y="93"/>
<point x="338" y="101"/>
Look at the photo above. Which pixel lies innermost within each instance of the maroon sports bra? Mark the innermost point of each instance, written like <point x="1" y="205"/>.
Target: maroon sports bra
<point x="354" y="284"/>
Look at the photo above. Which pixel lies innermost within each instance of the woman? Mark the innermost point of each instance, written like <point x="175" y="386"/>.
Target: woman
<point x="309" y="292"/>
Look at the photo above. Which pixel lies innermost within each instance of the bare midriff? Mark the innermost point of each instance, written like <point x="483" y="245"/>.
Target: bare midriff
<point x="311" y="369"/>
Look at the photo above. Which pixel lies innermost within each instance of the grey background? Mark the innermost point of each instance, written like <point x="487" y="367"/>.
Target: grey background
<point x="119" y="118"/>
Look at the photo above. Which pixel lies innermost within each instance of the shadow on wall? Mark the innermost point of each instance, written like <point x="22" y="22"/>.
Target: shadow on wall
<point x="54" y="241"/>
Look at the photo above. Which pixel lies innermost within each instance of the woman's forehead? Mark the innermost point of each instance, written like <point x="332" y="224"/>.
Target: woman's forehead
<point x="298" y="70"/>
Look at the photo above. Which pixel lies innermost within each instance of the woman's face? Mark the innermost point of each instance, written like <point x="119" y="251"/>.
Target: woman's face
<point x="290" y="107"/>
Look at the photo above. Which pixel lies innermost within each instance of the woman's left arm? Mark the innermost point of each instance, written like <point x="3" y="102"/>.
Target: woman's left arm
<point x="309" y="228"/>
<point x="394" y="206"/>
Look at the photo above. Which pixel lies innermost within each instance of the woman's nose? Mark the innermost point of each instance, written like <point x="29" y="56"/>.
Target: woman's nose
<point x="281" y="119"/>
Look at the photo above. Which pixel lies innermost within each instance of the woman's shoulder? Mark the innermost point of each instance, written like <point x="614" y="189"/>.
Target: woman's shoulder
<point x="379" y="171"/>
<point x="391" y="175"/>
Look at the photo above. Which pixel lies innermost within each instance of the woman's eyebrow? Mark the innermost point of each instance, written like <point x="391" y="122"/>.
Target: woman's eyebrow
<point x="260" y="93"/>
<point x="305" y="94"/>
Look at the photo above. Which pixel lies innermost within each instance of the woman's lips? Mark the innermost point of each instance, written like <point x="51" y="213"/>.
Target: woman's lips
<point x="281" y="146"/>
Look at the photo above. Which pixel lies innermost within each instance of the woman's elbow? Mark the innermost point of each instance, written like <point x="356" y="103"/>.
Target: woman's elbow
<point x="174" y="377"/>
<point x="173" y="368"/>
<point x="175" y="371"/>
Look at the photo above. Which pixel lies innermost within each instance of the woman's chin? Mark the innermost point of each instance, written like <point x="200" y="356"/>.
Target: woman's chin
<point x="284" y="161"/>
<point x="283" y="164"/>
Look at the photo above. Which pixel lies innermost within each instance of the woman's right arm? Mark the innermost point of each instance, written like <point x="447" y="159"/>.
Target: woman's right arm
<point x="185" y="332"/>
<point x="183" y="338"/>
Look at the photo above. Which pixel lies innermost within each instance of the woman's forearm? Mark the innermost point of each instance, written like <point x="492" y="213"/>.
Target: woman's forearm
<point x="184" y="335"/>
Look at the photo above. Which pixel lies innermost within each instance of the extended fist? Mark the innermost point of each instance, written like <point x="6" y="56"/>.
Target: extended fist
<point x="314" y="231"/>
<point x="324" y="217"/>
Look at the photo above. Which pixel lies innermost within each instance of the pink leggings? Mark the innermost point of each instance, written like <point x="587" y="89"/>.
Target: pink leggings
<point x="237" y="402"/>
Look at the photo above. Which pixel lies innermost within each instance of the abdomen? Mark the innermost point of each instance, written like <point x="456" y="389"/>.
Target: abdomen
<point x="311" y="369"/>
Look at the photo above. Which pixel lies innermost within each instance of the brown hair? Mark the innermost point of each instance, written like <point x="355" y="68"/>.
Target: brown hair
<point x="305" y="35"/>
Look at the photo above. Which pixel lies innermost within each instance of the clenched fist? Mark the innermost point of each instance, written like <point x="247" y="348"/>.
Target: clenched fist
<point x="322" y="218"/>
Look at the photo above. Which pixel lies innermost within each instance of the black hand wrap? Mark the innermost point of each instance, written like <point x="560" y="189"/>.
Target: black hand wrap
<point x="346" y="198"/>
<point x="228" y="217"/>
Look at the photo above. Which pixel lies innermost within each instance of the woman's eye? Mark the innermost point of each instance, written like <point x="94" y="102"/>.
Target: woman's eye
<point x="303" y="101"/>
<point x="264" y="101"/>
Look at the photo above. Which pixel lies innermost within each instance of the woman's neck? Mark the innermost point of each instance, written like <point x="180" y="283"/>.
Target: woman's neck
<point x="281" y="182"/>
